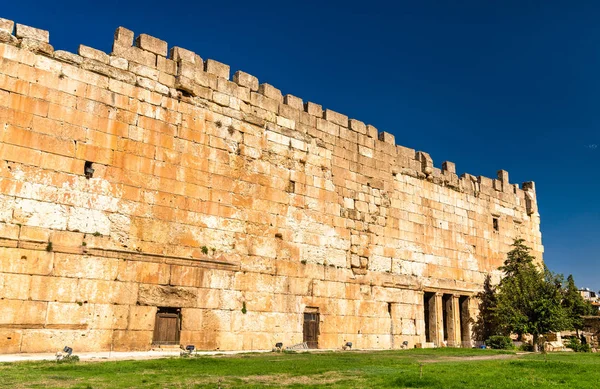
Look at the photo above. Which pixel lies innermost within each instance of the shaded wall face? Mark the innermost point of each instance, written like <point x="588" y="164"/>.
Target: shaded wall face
<point x="137" y="182"/>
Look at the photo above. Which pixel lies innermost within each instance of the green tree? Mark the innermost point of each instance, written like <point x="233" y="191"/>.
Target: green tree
<point x="486" y="324"/>
<point x="575" y="305"/>
<point x="529" y="300"/>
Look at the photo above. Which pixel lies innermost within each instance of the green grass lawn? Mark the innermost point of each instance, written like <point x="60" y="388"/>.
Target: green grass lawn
<point x="441" y="368"/>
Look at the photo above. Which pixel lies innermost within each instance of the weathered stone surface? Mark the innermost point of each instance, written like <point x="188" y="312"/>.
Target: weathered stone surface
<point x="94" y="54"/>
<point x="36" y="46"/>
<point x="152" y="44"/>
<point x="337" y="118"/>
<point x="245" y="79"/>
<point x="217" y="68"/>
<point x="313" y="109"/>
<point x="227" y="206"/>
<point x="7" y="25"/>
<point x="110" y="71"/>
<point x="271" y="92"/>
<point x="123" y="37"/>
<point x="294" y="102"/>
<point x="23" y="31"/>
<point x="68" y="57"/>
<point x="8" y="38"/>
<point x="167" y="296"/>
<point x="181" y="54"/>
<point x="387" y="137"/>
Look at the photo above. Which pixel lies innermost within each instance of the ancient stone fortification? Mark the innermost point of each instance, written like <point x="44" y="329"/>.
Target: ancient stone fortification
<point x="148" y="198"/>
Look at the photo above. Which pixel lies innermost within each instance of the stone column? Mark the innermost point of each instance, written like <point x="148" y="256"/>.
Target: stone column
<point x="453" y="320"/>
<point x="466" y="323"/>
<point x="436" y="323"/>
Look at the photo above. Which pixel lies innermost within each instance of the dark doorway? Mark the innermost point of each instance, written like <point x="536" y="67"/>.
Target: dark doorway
<point x="427" y="296"/>
<point x="446" y="311"/>
<point x="167" y="326"/>
<point x="311" y="329"/>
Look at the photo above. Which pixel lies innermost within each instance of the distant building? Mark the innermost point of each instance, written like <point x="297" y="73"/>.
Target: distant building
<point x="590" y="296"/>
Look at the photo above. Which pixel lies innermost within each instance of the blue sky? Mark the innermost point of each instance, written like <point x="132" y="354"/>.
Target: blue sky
<point x="511" y="85"/>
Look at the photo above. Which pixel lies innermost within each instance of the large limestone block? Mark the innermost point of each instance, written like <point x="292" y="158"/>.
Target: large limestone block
<point x="152" y="44"/>
<point x="210" y="298"/>
<point x="69" y="315"/>
<point x="23" y="313"/>
<point x="41" y="214"/>
<point x="287" y="303"/>
<point x="110" y="316"/>
<point x="145" y="272"/>
<point x="132" y="340"/>
<point x="54" y="289"/>
<point x="380" y="264"/>
<point x="102" y="292"/>
<point x="167" y="296"/>
<point x="141" y="318"/>
<point x="14" y="286"/>
<point x="256" y="341"/>
<point x="23" y="31"/>
<point x="329" y="289"/>
<point x="7" y="25"/>
<point x="10" y="341"/>
<point x="233" y="299"/>
<point x="204" y="340"/>
<point x="90" y="221"/>
<point x="259" y="301"/>
<point x="192" y="319"/>
<point x="48" y="340"/>
<point x="188" y="276"/>
<point x="69" y="265"/>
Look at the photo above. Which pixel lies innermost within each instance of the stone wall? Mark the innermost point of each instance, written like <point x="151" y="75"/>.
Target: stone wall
<point x="140" y="179"/>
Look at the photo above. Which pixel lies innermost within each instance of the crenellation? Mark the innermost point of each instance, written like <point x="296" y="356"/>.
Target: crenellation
<point x="246" y="80"/>
<point x="294" y="102"/>
<point x="271" y="92"/>
<point x="123" y="38"/>
<point x="97" y="55"/>
<point x="26" y="32"/>
<point x="152" y="44"/>
<point x="65" y="56"/>
<point x="36" y="46"/>
<point x="7" y="26"/>
<point x="206" y="184"/>
<point x="217" y="68"/>
<point x="178" y="54"/>
<point x="6" y="37"/>
<point x="313" y="109"/>
<point x="448" y="167"/>
<point x="337" y="118"/>
<point x="386" y="137"/>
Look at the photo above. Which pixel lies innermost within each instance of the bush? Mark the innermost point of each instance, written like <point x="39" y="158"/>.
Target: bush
<point x="526" y="346"/>
<point x="575" y="345"/>
<point x="68" y="359"/>
<point x="499" y="342"/>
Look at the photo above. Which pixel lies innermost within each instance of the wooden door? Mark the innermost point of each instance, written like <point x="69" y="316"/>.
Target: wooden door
<point x="166" y="328"/>
<point x="311" y="330"/>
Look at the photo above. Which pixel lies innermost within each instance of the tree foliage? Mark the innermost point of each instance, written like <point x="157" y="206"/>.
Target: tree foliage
<point x="529" y="300"/>
<point x="575" y="305"/>
<point x="486" y="324"/>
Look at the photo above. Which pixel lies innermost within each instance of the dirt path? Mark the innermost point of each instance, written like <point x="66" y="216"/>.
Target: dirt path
<point x="474" y="358"/>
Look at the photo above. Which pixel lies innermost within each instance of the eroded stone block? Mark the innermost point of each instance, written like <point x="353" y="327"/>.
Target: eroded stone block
<point x="23" y="31"/>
